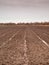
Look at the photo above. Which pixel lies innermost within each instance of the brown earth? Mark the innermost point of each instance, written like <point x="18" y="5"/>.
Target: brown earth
<point x="20" y="45"/>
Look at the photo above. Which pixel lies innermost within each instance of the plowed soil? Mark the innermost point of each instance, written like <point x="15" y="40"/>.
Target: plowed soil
<point x="24" y="45"/>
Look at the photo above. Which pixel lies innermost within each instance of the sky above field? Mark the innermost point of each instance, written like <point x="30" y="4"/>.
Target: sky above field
<point x="24" y="10"/>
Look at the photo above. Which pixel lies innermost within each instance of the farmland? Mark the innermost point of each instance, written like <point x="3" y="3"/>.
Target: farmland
<point x="24" y="45"/>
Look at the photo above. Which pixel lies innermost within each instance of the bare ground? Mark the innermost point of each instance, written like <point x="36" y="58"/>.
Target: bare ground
<point x="24" y="45"/>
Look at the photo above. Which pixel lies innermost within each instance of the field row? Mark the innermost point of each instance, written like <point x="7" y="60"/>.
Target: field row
<point x="24" y="45"/>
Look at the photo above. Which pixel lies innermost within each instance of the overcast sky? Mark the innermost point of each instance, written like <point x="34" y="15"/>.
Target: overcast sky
<point x="24" y="10"/>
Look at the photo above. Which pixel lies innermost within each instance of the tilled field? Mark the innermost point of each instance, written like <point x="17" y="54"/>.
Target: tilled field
<point x="24" y="45"/>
